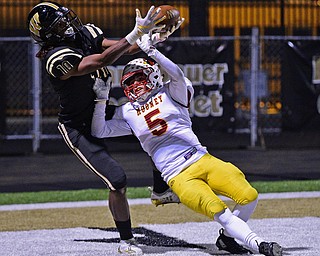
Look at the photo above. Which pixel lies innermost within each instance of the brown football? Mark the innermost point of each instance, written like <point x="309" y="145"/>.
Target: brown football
<point x="172" y="16"/>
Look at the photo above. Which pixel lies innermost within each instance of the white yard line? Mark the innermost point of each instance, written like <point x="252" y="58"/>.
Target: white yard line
<point x="20" y="207"/>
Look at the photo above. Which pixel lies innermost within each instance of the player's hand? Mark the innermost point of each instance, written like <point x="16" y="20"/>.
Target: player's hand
<point x="102" y="88"/>
<point x="149" y="22"/>
<point x="145" y="44"/>
<point x="162" y="36"/>
<point x="145" y="25"/>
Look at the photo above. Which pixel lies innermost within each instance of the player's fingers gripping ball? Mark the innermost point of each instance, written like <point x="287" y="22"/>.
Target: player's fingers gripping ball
<point x="171" y="18"/>
<point x="151" y="21"/>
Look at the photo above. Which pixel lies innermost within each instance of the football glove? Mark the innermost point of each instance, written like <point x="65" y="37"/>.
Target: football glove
<point x="145" y="44"/>
<point x="162" y="36"/>
<point x="144" y="25"/>
<point x="102" y="89"/>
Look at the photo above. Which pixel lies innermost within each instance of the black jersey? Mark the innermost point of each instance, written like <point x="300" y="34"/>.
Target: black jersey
<point x="76" y="94"/>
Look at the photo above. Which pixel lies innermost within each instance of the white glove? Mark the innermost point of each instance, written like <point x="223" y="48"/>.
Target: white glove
<point x="144" y="25"/>
<point x="102" y="89"/>
<point x="162" y="36"/>
<point x="145" y="44"/>
<point x="146" y="41"/>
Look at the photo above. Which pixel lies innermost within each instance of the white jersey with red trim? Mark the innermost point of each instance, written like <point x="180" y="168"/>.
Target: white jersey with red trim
<point x="162" y="124"/>
<point x="163" y="128"/>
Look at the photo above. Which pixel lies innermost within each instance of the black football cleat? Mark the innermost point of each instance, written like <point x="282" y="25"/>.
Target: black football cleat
<point x="230" y="245"/>
<point x="270" y="249"/>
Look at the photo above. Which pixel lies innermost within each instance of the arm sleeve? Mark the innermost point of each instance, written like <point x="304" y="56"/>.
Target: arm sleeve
<point x="114" y="127"/>
<point x="180" y="87"/>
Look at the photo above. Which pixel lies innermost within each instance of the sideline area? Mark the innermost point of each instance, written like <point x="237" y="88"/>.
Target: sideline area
<point x="44" y="172"/>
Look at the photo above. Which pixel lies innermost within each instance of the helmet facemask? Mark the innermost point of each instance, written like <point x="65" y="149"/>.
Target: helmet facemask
<point x="66" y="25"/>
<point x="136" y="85"/>
<point x="140" y="80"/>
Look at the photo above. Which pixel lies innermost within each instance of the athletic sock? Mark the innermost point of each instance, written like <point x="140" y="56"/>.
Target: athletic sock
<point x="124" y="228"/>
<point x="159" y="185"/>
<point x="238" y="229"/>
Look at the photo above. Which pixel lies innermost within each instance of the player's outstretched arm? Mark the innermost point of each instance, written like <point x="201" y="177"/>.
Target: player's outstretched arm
<point x="96" y="61"/>
<point x="172" y="69"/>
<point x="180" y="87"/>
<point x="100" y="127"/>
<point x="144" y="25"/>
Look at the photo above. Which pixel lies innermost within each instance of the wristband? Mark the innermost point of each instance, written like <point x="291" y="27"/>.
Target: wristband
<point x="133" y="36"/>
<point x="100" y="101"/>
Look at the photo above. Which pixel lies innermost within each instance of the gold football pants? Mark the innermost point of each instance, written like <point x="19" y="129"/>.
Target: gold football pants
<point x="198" y="185"/>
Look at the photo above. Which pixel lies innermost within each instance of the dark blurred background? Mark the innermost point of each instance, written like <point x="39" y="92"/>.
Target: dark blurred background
<point x="284" y="143"/>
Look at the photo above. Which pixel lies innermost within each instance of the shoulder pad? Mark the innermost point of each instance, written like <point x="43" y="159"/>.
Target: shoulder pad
<point x="93" y="30"/>
<point x="95" y="36"/>
<point x="61" y="60"/>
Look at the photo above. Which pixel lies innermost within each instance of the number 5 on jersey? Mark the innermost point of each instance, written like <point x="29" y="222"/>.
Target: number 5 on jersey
<point x="154" y="122"/>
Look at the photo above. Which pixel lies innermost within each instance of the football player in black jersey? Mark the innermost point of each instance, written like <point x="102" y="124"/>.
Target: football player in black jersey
<point x="75" y="55"/>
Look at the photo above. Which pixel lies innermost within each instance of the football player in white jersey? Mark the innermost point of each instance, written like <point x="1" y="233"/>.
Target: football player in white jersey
<point x="157" y="114"/>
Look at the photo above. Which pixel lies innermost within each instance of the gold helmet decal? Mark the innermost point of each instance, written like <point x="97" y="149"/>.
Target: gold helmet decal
<point x="34" y="25"/>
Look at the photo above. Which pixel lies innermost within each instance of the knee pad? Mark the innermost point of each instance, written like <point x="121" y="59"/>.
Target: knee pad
<point x="120" y="183"/>
<point x="248" y="195"/>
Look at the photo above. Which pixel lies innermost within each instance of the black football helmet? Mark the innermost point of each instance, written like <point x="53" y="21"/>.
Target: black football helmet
<point x="50" y="23"/>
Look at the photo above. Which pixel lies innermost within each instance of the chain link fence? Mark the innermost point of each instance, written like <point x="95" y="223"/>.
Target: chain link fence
<point x="268" y="85"/>
<point x="29" y="106"/>
<point x="16" y="88"/>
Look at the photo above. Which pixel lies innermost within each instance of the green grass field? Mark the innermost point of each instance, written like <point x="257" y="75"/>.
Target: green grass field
<point x="141" y="192"/>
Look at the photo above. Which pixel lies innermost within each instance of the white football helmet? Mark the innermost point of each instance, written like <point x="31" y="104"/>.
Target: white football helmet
<point x="140" y="79"/>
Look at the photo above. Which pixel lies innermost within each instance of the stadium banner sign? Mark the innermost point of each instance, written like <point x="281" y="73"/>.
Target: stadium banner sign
<point x="209" y="66"/>
<point x="300" y="88"/>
